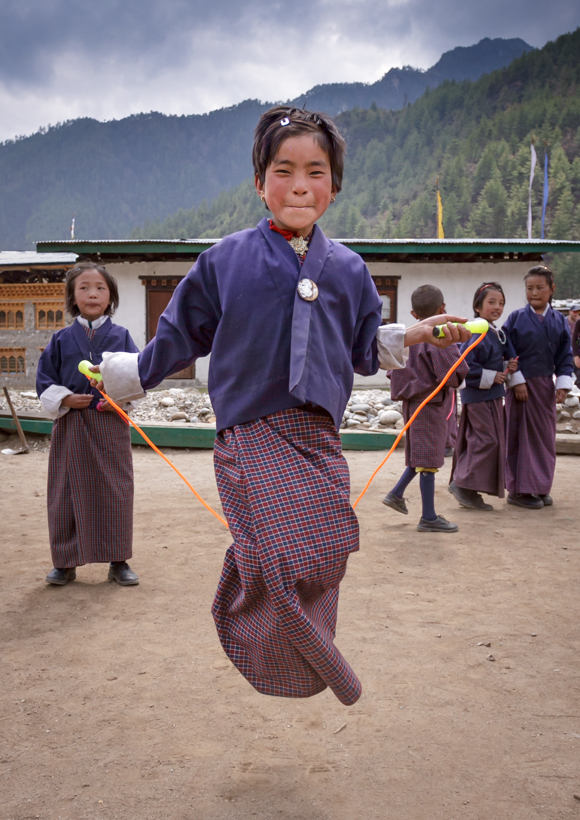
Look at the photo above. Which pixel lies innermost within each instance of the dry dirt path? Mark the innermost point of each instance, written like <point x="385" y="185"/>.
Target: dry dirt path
<point x="119" y="703"/>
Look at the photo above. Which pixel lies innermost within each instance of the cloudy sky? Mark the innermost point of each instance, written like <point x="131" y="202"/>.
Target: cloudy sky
<point x="61" y="59"/>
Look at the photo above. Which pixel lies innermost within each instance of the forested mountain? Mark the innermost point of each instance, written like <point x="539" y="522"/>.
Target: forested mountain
<point x="117" y="175"/>
<point x="472" y="136"/>
<point x="401" y="86"/>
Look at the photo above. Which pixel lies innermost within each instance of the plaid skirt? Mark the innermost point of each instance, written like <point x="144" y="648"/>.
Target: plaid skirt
<point x="284" y="486"/>
<point x="90" y="489"/>
<point x="479" y="459"/>
<point x="426" y="438"/>
<point x="531" y="438"/>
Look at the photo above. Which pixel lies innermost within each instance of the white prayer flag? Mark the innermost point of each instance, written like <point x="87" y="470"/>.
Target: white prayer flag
<point x="532" y="169"/>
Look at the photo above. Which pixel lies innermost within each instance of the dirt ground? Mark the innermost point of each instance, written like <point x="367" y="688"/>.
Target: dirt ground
<point x="119" y="702"/>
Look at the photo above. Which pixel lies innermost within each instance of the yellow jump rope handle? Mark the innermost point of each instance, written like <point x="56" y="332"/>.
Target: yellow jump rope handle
<point x="476" y="326"/>
<point x="85" y="369"/>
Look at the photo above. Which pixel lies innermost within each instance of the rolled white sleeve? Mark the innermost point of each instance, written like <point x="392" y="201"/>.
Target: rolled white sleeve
<point x="564" y="382"/>
<point x="120" y="372"/>
<point x="515" y="378"/>
<point x="392" y="352"/>
<point x="51" y="400"/>
<point x="487" y="379"/>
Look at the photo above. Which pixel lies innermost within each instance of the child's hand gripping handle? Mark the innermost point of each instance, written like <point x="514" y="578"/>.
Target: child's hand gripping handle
<point x="85" y="369"/>
<point x="476" y="326"/>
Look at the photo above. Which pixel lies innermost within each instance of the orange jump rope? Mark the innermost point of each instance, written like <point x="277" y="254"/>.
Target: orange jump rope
<point x="85" y="366"/>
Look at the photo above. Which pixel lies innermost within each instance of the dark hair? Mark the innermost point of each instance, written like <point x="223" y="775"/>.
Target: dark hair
<point x="542" y="270"/>
<point x="426" y="301"/>
<point x="482" y="292"/>
<point x="74" y="274"/>
<point x="283" y="121"/>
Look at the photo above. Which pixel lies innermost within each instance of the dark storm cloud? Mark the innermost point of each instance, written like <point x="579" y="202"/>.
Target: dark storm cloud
<point x="61" y="59"/>
<point x="33" y="33"/>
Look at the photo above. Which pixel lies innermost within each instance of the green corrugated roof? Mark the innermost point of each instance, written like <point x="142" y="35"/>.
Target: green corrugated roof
<point x="135" y="247"/>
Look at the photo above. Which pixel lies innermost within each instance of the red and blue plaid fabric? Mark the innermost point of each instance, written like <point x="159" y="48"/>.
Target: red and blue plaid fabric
<point x="284" y="487"/>
<point x="90" y="489"/>
<point x="531" y="438"/>
<point x="479" y="458"/>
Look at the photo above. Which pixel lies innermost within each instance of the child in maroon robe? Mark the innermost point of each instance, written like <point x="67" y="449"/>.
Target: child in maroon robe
<point x="426" y="438"/>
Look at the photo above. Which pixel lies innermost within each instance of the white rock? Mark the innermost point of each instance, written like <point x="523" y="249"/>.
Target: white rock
<point x="366" y="425"/>
<point x="167" y="401"/>
<point x="347" y="414"/>
<point x="576" y="415"/>
<point x="564" y="414"/>
<point x="400" y="424"/>
<point x="388" y="417"/>
<point x="572" y="401"/>
<point x="360" y="408"/>
<point x="352" y="423"/>
<point x="360" y="417"/>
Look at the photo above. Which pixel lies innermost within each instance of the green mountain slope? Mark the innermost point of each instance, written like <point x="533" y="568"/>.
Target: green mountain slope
<point x="472" y="136"/>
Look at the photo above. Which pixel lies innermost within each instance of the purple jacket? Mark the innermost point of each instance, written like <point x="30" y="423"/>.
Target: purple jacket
<point x="59" y="361"/>
<point x="271" y="350"/>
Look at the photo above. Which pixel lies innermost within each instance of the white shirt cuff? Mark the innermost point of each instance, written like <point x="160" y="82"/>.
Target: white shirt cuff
<point x="487" y="379"/>
<point x="515" y="378"/>
<point x="51" y="400"/>
<point x="392" y="352"/>
<point x="120" y="372"/>
<point x="564" y="382"/>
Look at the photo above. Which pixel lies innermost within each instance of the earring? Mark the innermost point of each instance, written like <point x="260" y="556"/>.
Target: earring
<point x="263" y="197"/>
<point x="333" y="199"/>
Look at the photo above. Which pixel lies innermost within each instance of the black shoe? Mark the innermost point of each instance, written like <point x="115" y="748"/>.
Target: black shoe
<point x="449" y="452"/>
<point x="546" y="500"/>
<point x="439" y="525"/>
<point x="123" y="574"/>
<point x="60" y="577"/>
<point x="395" y="503"/>
<point x="530" y="502"/>
<point x="468" y="498"/>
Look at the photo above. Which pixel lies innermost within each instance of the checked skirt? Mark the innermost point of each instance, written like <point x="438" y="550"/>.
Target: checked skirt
<point x="90" y="489"/>
<point x="284" y="487"/>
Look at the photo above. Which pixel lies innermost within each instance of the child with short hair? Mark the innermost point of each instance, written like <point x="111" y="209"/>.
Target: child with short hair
<point x="479" y="460"/>
<point x="425" y="440"/>
<point x="541" y="340"/>
<point x="90" y="468"/>
<point x="288" y="316"/>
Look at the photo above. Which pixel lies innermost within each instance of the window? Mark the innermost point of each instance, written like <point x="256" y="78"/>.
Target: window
<point x="387" y="287"/>
<point x="12" y="360"/>
<point x="11" y="316"/>
<point x="49" y="316"/>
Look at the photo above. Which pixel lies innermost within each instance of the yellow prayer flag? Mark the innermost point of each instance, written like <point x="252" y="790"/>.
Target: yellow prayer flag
<point x="440" y="232"/>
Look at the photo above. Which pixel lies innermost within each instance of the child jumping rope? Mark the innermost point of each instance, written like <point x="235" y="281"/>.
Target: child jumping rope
<point x="479" y="460"/>
<point x="90" y="469"/>
<point x="542" y="343"/>
<point x="288" y="315"/>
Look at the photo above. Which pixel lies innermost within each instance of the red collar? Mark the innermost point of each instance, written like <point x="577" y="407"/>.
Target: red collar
<point x="286" y="234"/>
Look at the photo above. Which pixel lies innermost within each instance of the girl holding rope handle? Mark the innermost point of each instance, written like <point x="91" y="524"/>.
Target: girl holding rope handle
<point x="90" y="470"/>
<point x="288" y="317"/>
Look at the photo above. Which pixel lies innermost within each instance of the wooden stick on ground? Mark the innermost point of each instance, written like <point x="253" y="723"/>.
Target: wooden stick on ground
<point x="21" y="435"/>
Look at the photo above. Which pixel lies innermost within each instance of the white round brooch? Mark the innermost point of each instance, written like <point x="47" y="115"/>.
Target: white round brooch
<point x="307" y="290"/>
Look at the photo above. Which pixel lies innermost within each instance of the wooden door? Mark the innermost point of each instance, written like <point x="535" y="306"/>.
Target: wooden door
<point x="158" y="297"/>
<point x="387" y="287"/>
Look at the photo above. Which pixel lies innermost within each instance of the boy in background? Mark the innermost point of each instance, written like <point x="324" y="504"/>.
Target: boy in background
<point x="426" y="438"/>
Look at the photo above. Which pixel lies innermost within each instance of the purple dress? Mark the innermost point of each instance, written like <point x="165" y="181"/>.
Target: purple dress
<point x="544" y="348"/>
